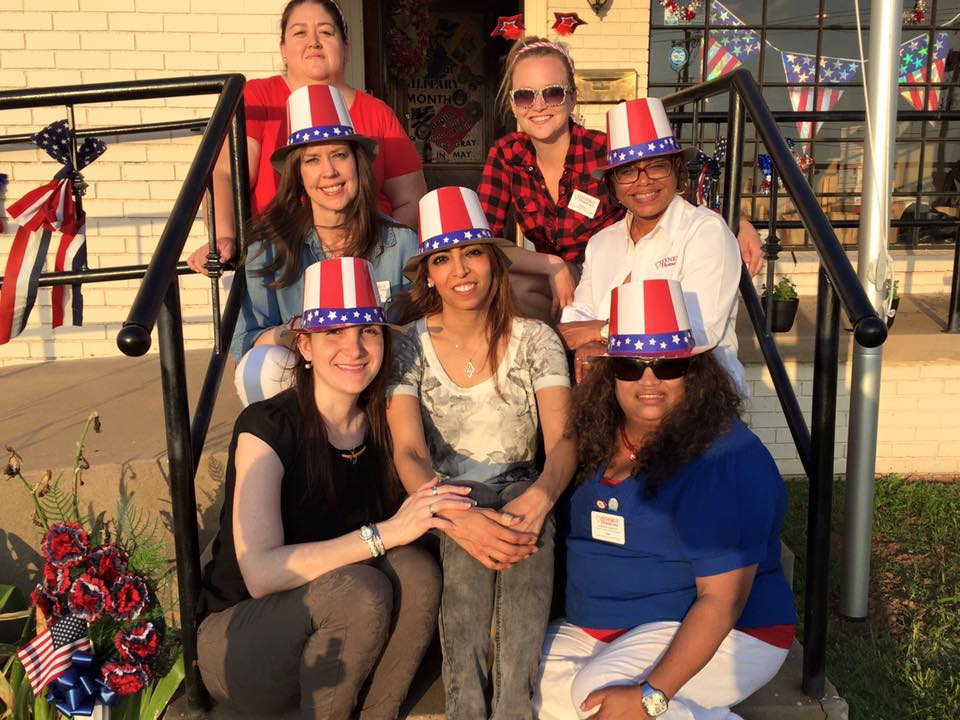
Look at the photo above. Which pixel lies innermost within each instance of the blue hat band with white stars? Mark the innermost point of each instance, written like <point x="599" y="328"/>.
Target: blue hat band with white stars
<point x="668" y="343"/>
<point x="320" y="132"/>
<point x="661" y="146"/>
<point x="320" y="318"/>
<point x="439" y="242"/>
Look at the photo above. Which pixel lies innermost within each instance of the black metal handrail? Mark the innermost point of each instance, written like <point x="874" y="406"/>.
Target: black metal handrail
<point x="838" y="287"/>
<point x="157" y="301"/>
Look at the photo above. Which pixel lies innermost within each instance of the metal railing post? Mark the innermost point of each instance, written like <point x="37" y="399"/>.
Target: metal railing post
<point x="953" y="312"/>
<point x="771" y="250"/>
<point x="823" y="430"/>
<point x="183" y="496"/>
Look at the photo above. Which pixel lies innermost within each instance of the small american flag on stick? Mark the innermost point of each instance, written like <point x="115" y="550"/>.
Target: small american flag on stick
<point x="48" y="655"/>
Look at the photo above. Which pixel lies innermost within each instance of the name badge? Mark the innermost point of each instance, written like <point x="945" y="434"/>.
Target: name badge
<point x="607" y="527"/>
<point x="583" y="203"/>
<point x="383" y="287"/>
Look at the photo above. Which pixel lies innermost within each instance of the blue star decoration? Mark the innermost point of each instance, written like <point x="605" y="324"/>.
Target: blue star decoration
<point x="55" y="140"/>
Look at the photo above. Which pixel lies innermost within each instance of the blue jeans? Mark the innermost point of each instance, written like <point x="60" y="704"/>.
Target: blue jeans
<point x="517" y="599"/>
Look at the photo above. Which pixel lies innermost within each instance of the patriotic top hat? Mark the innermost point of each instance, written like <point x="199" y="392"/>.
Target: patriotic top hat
<point x="337" y="293"/>
<point x="637" y="129"/>
<point x="451" y="217"/>
<point x="648" y="319"/>
<point x="318" y="113"/>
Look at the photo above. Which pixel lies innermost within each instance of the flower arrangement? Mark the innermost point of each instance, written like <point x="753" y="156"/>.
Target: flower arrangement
<point x="681" y="13"/>
<point x="408" y="38"/>
<point x="105" y="576"/>
<point x="917" y="15"/>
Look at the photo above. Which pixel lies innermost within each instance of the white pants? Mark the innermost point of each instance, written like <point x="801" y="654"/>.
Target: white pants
<point x="264" y="371"/>
<point x="574" y="664"/>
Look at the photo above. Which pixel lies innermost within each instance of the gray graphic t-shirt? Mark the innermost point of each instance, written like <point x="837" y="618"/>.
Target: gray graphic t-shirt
<point x="472" y="433"/>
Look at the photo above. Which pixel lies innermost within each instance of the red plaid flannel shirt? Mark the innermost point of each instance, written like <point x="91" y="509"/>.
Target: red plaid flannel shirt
<point x="511" y="178"/>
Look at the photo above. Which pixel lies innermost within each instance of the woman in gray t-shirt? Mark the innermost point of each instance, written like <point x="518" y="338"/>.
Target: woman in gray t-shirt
<point x="471" y="384"/>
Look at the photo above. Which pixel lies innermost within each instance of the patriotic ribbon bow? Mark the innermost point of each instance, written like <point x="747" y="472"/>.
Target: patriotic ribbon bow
<point x="46" y="210"/>
<point x="706" y="194"/>
<point x="78" y="690"/>
<point x="765" y="163"/>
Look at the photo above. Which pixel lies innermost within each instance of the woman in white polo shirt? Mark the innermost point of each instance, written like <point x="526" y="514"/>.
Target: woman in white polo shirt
<point x="661" y="236"/>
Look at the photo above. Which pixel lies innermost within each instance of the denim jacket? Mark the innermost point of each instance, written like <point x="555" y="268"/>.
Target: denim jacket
<point x="264" y="307"/>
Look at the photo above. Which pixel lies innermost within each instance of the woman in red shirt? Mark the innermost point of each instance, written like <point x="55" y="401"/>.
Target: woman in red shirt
<point x="313" y="43"/>
<point x="543" y="171"/>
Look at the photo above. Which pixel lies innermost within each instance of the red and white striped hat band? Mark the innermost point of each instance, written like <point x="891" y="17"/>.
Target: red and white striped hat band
<point x="340" y="292"/>
<point x="649" y="319"/>
<point x="638" y="129"/>
<point x="451" y="216"/>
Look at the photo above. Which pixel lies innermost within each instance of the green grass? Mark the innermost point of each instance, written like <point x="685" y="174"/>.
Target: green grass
<point x="903" y="661"/>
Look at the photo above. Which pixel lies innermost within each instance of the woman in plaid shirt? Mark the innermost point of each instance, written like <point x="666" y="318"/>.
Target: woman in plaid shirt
<point x="544" y="173"/>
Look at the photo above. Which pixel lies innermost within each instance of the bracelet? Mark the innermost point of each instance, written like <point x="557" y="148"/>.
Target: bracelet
<point x="377" y="540"/>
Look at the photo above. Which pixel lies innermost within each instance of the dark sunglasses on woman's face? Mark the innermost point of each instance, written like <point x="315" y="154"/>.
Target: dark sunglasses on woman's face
<point x="551" y="95"/>
<point x="632" y="369"/>
<point x="631" y="173"/>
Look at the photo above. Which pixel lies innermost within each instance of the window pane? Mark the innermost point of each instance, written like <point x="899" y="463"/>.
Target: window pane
<point x="791" y="12"/>
<point x="843" y="12"/>
<point x="947" y="11"/>
<point x="662" y="45"/>
<point x="726" y="12"/>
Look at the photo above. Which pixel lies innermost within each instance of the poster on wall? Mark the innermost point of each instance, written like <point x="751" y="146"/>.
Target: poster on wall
<point x="445" y="100"/>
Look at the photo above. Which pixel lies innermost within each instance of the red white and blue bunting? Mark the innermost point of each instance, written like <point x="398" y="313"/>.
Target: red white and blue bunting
<point x="41" y="213"/>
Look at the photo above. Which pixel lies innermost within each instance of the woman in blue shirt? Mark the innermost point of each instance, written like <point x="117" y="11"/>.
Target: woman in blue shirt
<point x="676" y="604"/>
<point x="325" y="207"/>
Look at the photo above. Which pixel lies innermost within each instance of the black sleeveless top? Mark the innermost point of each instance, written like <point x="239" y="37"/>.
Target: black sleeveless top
<point x="306" y="516"/>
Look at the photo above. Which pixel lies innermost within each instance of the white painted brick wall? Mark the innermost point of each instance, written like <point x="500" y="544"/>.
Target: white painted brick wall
<point x="133" y="185"/>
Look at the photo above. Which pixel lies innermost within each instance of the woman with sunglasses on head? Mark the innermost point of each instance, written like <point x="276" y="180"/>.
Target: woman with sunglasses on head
<point x="325" y="207"/>
<point x="316" y="596"/>
<point x="676" y="602"/>
<point x="543" y="173"/>
<point x="472" y="383"/>
<point x="661" y="236"/>
<point x="314" y="47"/>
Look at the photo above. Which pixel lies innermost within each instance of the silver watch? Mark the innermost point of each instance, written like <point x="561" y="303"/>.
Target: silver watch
<point x="654" y="702"/>
<point x="367" y="535"/>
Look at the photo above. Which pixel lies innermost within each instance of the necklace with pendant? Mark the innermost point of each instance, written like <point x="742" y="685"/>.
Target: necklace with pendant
<point x="352" y="455"/>
<point x="632" y="450"/>
<point x="469" y="369"/>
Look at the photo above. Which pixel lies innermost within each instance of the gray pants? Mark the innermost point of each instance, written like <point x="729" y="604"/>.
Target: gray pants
<point x="518" y="601"/>
<point x="344" y="645"/>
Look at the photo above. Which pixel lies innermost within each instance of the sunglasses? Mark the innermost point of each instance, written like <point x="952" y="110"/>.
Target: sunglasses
<point x="632" y="369"/>
<point x="552" y="95"/>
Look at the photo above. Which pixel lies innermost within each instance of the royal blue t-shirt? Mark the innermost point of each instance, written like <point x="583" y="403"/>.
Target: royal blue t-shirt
<point x="719" y="512"/>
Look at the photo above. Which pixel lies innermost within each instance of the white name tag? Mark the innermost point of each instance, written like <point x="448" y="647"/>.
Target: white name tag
<point x="383" y="287"/>
<point x="583" y="203"/>
<point x="607" y="527"/>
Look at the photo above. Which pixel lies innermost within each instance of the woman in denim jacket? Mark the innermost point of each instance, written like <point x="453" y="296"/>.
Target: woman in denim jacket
<point x="325" y="207"/>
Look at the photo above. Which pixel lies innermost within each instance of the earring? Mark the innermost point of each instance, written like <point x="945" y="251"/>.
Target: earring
<point x="283" y="69"/>
<point x="308" y="364"/>
<point x="430" y="284"/>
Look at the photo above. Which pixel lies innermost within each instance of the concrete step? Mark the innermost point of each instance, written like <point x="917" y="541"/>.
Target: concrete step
<point x="781" y="699"/>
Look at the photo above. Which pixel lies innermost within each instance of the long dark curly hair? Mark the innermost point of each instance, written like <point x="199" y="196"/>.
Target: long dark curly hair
<point x="708" y="408"/>
<point x="289" y="217"/>
<point x="373" y="403"/>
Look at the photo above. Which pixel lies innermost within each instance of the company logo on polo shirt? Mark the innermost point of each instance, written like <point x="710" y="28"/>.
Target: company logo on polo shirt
<point x="666" y="262"/>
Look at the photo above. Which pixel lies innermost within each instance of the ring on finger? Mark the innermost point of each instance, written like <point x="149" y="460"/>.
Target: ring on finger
<point x="434" y="490"/>
<point x="430" y="508"/>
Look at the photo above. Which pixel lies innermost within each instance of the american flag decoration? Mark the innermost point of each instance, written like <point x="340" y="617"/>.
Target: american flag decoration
<point x="729" y="48"/>
<point x="338" y="293"/>
<point x="48" y="655"/>
<point x="914" y="55"/>
<point x="801" y="72"/>
<point x="649" y="319"/>
<point x="705" y="192"/>
<point x="48" y="209"/>
<point x="637" y="129"/>
<point x="450" y="216"/>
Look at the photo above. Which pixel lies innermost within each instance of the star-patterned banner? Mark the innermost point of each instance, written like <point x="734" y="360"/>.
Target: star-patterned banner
<point x="801" y="72"/>
<point x="915" y="58"/>
<point x="729" y="48"/>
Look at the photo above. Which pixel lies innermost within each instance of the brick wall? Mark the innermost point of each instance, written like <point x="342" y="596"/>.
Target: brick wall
<point x="133" y="185"/>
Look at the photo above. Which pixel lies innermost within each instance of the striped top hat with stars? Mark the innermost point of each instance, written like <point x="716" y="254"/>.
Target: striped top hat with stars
<point x="452" y="217"/>
<point x="338" y="293"/>
<point x="318" y="113"/>
<point x="636" y="130"/>
<point x="649" y="320"/>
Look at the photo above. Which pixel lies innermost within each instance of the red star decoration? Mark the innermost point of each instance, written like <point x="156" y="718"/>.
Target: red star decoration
<point x="511" y="27"/>
<point x="566" y="23"/>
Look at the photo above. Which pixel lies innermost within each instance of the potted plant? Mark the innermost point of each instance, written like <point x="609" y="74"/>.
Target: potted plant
<point x="893" y="292"/>
<point x="785" y="304"/>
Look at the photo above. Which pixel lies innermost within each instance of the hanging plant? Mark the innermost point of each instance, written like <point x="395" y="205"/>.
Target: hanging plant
<point x="408" y="38"/>
<point x="916" y="16"/>
<point x="681" y="12"/>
